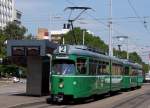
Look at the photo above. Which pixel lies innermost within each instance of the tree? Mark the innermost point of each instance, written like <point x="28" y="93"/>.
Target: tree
<point x="135" y="57"/>
<point x="146" y="67"/>
<point x="90" y="40"/>
<point x="2" y="41"/>
<point x="120" y="54"/>
<point x="14" y="31"/>
<point x="96" y="42"/>
<point x="11" y="31"/>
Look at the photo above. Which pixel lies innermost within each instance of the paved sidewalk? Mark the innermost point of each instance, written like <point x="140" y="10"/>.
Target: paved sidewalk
<point x="14" y="100"/>
<point x="13" y="94"/>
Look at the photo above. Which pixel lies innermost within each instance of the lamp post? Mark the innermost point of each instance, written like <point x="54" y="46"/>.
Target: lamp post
<point x="121" y="38"/>
<point x="84" y="32"/>
<point x="83" y="37"/>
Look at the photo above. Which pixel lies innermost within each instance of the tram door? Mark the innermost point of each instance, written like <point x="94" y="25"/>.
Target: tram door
<point x="127" y="79"/>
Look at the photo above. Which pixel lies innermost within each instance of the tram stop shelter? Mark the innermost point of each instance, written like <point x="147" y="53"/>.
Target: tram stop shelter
<point x="37" y="54"/>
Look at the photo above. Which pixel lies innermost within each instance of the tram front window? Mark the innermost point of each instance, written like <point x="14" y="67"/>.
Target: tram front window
<point x="62" y="67"/>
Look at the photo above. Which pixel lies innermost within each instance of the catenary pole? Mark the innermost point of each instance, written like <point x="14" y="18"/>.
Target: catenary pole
<point x="110" y="29"/>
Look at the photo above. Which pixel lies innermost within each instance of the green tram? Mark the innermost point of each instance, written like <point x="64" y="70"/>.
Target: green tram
<point x="80" y="72"/>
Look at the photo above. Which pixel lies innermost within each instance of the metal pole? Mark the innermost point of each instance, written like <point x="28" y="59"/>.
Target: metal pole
<point x="149" y="62"/>
<point x="83" y="36"/>
<point x="127" y="48"/>
<point x="110" y="29"/>
<point x="63" y="40"/>
<point x="71" y="22"/>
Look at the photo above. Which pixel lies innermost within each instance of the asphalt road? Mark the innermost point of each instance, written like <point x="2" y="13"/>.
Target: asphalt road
<point x="10" y="97"/>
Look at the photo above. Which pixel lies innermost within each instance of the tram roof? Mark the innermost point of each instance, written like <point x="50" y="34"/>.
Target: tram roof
<point x="86" y="51"/>
<point x="136" y="65"/>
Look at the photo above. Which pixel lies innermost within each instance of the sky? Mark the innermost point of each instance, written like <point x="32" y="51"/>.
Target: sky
<point x="130" y="18"/>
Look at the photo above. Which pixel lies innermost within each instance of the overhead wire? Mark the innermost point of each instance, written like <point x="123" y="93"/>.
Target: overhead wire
<point x="121" y="18"/>
<point x="137" y="15"/>
<point x="97" y="20"/>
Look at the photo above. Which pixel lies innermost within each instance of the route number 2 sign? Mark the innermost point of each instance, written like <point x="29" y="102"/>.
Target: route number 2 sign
<point x="63" y="49"/>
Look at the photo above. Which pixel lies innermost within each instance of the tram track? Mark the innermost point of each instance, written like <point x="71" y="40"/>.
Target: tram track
<point x="133" y="99"/>
<point x="41" y="104"/>
<point x="133" y="102"/>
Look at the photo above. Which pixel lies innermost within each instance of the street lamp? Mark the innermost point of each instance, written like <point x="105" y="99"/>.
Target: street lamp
<point x="121" y="38"/>
<point x="84" y="31"/>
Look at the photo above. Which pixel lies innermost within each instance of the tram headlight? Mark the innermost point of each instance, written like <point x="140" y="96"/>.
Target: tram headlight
<point x="74" y="83"/>
<point x="61" y="85"/>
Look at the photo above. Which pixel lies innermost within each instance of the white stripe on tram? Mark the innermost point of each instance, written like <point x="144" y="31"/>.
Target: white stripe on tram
<point x="85" y="76"/>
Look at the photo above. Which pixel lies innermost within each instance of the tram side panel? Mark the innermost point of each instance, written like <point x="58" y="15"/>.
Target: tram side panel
<point x="116" y="77"/>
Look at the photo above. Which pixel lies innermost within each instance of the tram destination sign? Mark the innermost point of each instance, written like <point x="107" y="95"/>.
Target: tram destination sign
<point x="62" y="49"/>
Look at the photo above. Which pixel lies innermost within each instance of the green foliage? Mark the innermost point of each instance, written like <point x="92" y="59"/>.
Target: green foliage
<point x="11" y="31"/>
<point x="96" y="42"/>
<point x="8" y="70"/>
<point x="146" y="67"/>
<point x="135" y="57"/>
<point x="120" y="54"/>
<point x="132" y="56"/>
<point x="14" y="31"/>
<point x="2" y="48"/>
<point x="11" y="70"/>
<point x="90" y="40"/>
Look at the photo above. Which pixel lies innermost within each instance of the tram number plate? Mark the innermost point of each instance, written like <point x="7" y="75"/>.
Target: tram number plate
<point x="63" y="49"/>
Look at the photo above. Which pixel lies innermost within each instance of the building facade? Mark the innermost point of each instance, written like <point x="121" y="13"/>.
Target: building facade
<point x="8" y="13"/>
<point x="42" y="34"/>
<point x="57" y="35"/>
<point x="17" y="16"/>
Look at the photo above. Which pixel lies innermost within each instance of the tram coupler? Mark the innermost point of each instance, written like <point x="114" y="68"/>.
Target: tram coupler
<point x="58" y="98"/>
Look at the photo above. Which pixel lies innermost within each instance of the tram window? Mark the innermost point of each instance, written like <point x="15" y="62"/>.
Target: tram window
<point x="139" y="72"/>
<point x="91" y="64"/>
<point x="117" y="69"/>
<point x="62" y="67"/>
<point x="81" y="66"/>
<point x="99" y="68"/>
<point x="121" y="69"/>
<point x="133" y="72"/>
<point x="92" y="67"/>
<point x="107" y="68"/>
<point x="114" y="69"/>
<point x="104" y="68"/>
